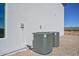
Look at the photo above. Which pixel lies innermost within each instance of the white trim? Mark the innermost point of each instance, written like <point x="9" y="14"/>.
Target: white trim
<point x="5" y="20"/>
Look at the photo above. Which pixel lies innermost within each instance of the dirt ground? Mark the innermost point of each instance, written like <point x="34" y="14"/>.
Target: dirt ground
<point x="69" y="46"/>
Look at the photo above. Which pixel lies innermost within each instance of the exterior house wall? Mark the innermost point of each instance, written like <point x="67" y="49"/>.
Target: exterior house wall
<point x="50" y="16"/>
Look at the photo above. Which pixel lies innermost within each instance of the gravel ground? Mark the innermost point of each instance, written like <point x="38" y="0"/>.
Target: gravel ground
<point x="69" y="46"/>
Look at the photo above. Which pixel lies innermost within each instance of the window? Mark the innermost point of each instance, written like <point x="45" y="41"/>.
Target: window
<point x="2" y="20"/>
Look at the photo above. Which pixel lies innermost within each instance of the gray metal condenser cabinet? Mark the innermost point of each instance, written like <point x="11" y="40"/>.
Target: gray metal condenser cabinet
<point x="44" y="42"/>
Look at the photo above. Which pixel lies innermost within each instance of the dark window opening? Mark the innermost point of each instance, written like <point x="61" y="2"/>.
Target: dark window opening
<point x="2" y="20"/>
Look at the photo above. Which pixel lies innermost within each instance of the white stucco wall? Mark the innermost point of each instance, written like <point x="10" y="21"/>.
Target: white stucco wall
<point x="49" y="16"/>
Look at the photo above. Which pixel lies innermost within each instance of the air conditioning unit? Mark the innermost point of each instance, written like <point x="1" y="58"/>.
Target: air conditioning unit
<point x="44" y="42"/>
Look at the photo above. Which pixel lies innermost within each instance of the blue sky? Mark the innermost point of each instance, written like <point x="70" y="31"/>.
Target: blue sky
<point x="2" y="20"/>
<point x="71" y="15"/>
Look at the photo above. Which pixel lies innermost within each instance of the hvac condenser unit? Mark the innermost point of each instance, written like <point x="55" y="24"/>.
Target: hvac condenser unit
<point x="44" y="42"/>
